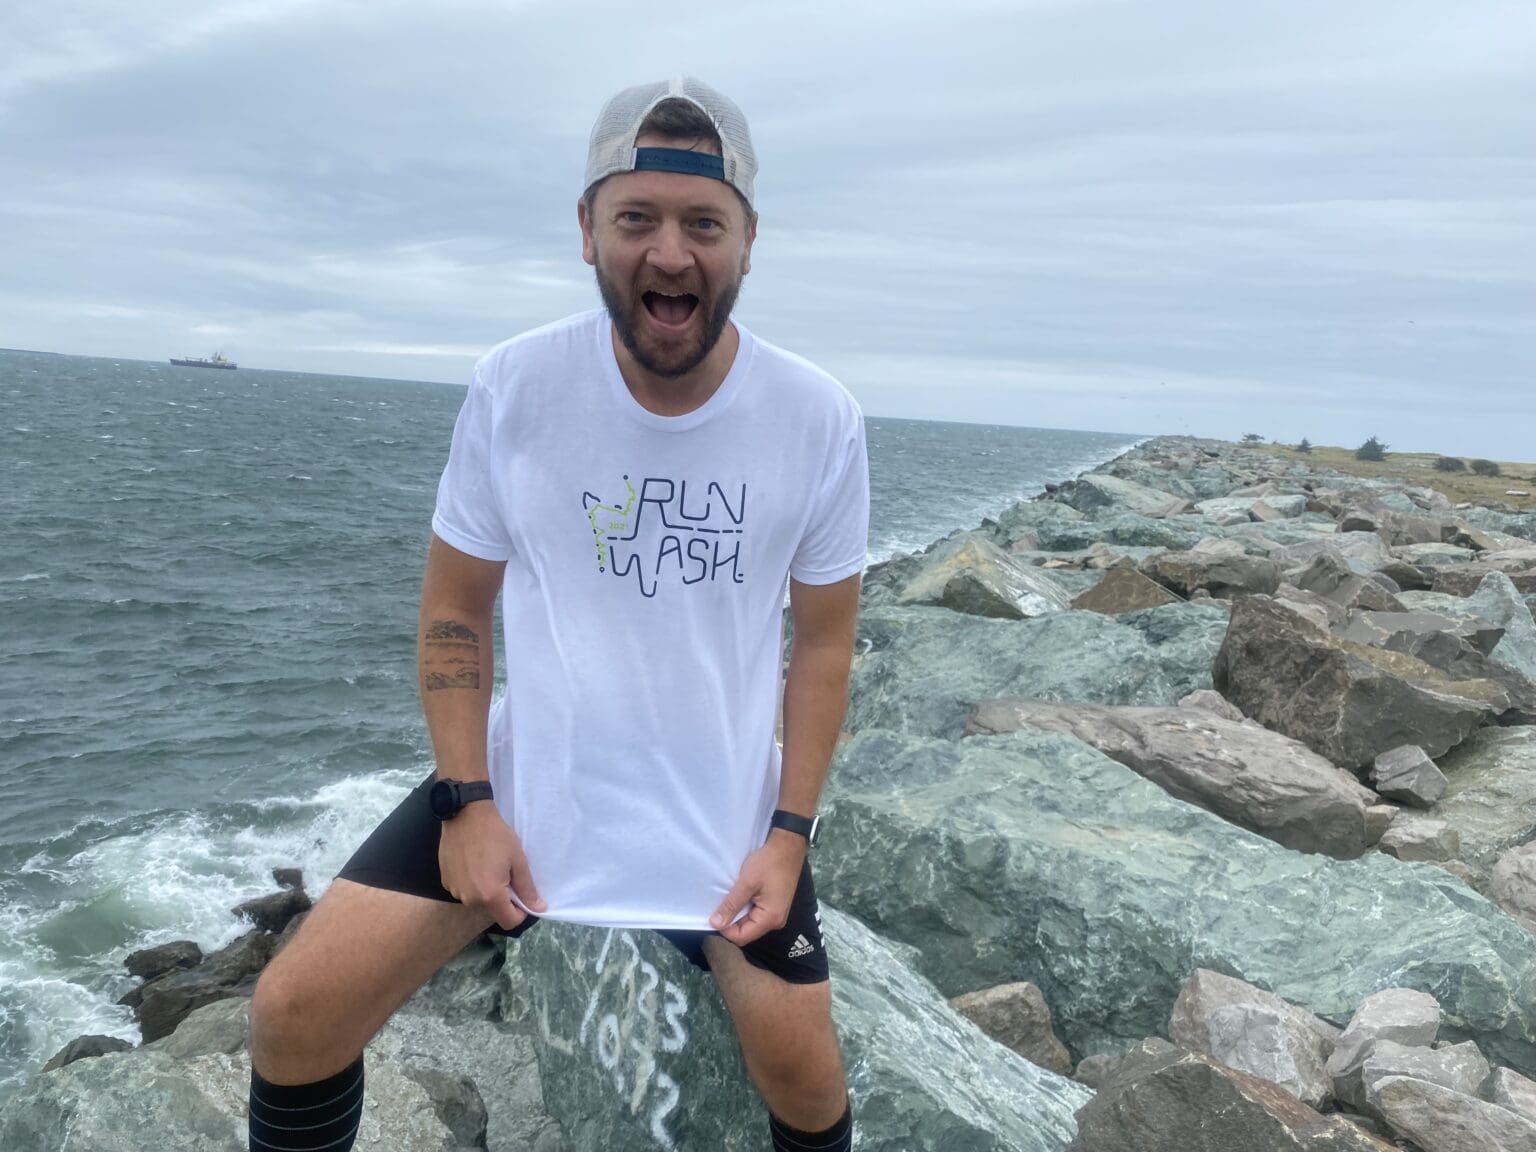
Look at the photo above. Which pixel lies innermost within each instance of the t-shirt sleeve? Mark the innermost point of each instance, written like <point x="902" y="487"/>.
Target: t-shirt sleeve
<point x="836" y="539"/>
<point x="468" y="514"/>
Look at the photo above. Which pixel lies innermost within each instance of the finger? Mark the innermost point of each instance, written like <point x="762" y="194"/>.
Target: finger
<point x="522" y="883"/>
<point x="735" y="900"/>
<point x="747" y="929"/>
<point x="504" y="912"/>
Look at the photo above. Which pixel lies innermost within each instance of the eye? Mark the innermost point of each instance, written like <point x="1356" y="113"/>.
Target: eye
<point x="707" y="224"/>
<point x="631" y="217"/>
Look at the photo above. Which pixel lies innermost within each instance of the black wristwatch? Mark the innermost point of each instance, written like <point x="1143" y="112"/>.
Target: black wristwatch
<point x="809" y="827"/>
<point x="448" y="797"/>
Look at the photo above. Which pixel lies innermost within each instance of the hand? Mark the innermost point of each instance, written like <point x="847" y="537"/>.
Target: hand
<point x="768" y="881"/>
<point x="482" y="863"/>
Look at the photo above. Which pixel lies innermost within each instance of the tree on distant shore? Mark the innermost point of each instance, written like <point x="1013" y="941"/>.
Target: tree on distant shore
<point x="1305" y="447"/>
<point x="1252" y="438"/>
<point x="1485" y="467"/>
<point x="1372" y="449"/>
<point x="1450" y="464"/>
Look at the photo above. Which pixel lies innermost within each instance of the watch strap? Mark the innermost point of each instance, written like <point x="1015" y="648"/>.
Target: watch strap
<point x="793" y="822"/>
<point x="448" y="797"/>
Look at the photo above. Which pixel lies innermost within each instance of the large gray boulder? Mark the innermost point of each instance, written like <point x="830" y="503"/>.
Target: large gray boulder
<point x="1261" y="780"/>
<point x="1256" y="1032"/>
<point x="1347" y="702"/>
<point x="1096" y="490"/>
<point x="637" y="1051"/>
<point x="1366" y="547"/>
<point x="1459" y="1067"/>
<point x="1329" y="577"/>
<point x="1035" y="857"/>
<point x="1222" y="576"/>
<point x="1443" y="1120"/>
<point x="1184" y="1101"/>
<point x="1498" y="602"/>
<point x="1401" y="1015"/>
<point x="1122" y="528"/>
<point x="1123" y="590"/>
<point x="924" y="668"/>
<point x="972" y="575"/>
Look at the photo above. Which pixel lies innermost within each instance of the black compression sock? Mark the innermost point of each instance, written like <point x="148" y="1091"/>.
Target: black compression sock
<point x="838" y="1138"/>
<point x="307" y="1117"/>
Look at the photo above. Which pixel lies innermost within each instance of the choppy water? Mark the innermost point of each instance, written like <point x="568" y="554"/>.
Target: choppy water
<point x="208" y="590"/>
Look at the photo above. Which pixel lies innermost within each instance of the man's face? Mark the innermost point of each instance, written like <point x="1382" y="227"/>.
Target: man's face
<point x="670" y="251"/>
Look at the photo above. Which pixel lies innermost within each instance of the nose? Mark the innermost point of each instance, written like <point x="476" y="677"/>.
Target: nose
<point x="670" y="253"/>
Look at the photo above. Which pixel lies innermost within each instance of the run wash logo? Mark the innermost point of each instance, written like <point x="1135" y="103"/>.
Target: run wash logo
<point x="670" y="531"/>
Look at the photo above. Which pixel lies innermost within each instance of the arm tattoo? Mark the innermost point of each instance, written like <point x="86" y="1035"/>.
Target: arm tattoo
<point x="450" y="656"/>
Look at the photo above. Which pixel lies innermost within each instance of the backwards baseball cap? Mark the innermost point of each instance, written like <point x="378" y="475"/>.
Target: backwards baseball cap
<point x="613" y="136"/>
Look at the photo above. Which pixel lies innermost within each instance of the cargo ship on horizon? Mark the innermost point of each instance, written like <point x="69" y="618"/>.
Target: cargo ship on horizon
<point x="217" y="361"/>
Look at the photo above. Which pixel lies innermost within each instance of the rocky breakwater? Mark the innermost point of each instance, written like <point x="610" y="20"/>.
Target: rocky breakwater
<point x="1206" y="778"/>
<point x="1271" y="737"/>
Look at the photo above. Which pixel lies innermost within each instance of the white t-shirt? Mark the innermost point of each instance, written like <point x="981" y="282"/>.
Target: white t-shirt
<point x="647" y="560"/>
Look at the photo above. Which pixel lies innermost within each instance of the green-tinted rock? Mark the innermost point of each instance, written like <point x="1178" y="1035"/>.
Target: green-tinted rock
<point x="1034" y="857"/>
<point x="970" y="574"/>
<point x="637" y="1051"/>
<point x="1490" y="796"/>
<point x="926" y="668"/>
<point x="1117" y="528"/>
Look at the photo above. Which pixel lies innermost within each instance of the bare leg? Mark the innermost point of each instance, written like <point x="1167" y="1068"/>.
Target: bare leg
<point x="356" y="958"/>
<point x="787" y="1038"/>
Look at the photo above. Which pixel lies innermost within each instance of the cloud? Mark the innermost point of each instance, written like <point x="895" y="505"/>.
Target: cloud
<point x="1297" y="215"/>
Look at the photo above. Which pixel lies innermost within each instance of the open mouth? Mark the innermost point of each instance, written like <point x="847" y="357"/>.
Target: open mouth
<point x="672" y="310"/>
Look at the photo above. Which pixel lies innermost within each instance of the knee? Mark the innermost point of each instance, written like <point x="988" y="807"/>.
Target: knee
<point x="287" y="1019"/>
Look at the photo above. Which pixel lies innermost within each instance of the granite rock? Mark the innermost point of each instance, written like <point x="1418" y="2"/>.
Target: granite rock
<point x="1426" y="840"/>
<point x="85" y="1048"/>
<point x="1035" y="857"/>
<point x="1490" y="796"/>
<point x="149" y="963"/>
<point x="1222" y="576"/>
<point x="1096" y="490"/>
<point x="636" y="1050"/>
<point x="925" y="668"/>
<point x="1441" y="1120"/>
<point x="1123" y="590"/>
<point x="972" y="575"/>
<point x="1404" y="773"/>
<point x="1459" y="1067"/>
<point x="1244" y="773"/>
<point x="1402" y="1015"/>
<point x="1347" y="702"/>
<point x="1184" y="1101"/>
<point x="1017" y="1017"/>
<point x="1254" y="1031"/>
<point x="1513" y="1091"/>
<point x="1513" y="884"/>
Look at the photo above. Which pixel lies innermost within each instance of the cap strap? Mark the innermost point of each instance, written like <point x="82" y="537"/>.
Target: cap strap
<point x="679" y="160"/>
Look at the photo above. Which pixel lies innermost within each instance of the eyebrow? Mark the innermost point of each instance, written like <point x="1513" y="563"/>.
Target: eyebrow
<point x="633" y="202"/>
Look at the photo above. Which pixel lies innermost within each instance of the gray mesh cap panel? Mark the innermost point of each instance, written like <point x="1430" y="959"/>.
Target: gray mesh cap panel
<point x="612" y="148"/>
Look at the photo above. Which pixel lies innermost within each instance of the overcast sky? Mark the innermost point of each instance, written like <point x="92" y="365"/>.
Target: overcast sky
<point x="1298" y="219"/>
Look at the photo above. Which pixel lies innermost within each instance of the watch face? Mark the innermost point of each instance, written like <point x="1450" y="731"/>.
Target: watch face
<point x="443" y="798"/>
<point x="815" y="831"/>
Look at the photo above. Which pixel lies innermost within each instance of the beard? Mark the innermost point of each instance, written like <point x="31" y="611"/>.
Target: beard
<point x="668" y="363"/>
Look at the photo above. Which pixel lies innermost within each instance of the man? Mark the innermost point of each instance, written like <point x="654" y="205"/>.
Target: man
<point x="638" y="483"/>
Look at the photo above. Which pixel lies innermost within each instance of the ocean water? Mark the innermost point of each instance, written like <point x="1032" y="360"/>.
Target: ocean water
<point x="208" y="589"/>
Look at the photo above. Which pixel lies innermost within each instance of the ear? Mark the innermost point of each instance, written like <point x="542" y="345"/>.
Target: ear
<point x="746" y="255"/>
<point x="588" y="241"/>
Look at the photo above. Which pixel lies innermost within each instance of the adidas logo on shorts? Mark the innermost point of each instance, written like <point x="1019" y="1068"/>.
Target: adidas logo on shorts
<point x="801" y="947"/>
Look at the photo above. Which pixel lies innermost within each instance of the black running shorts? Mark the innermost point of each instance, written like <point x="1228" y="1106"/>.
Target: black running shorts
<point x="401" y="855"/>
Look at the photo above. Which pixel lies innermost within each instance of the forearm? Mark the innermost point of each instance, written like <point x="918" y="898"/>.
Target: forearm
<point x="815" y="698"/>
<point x="455" y="664"/>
